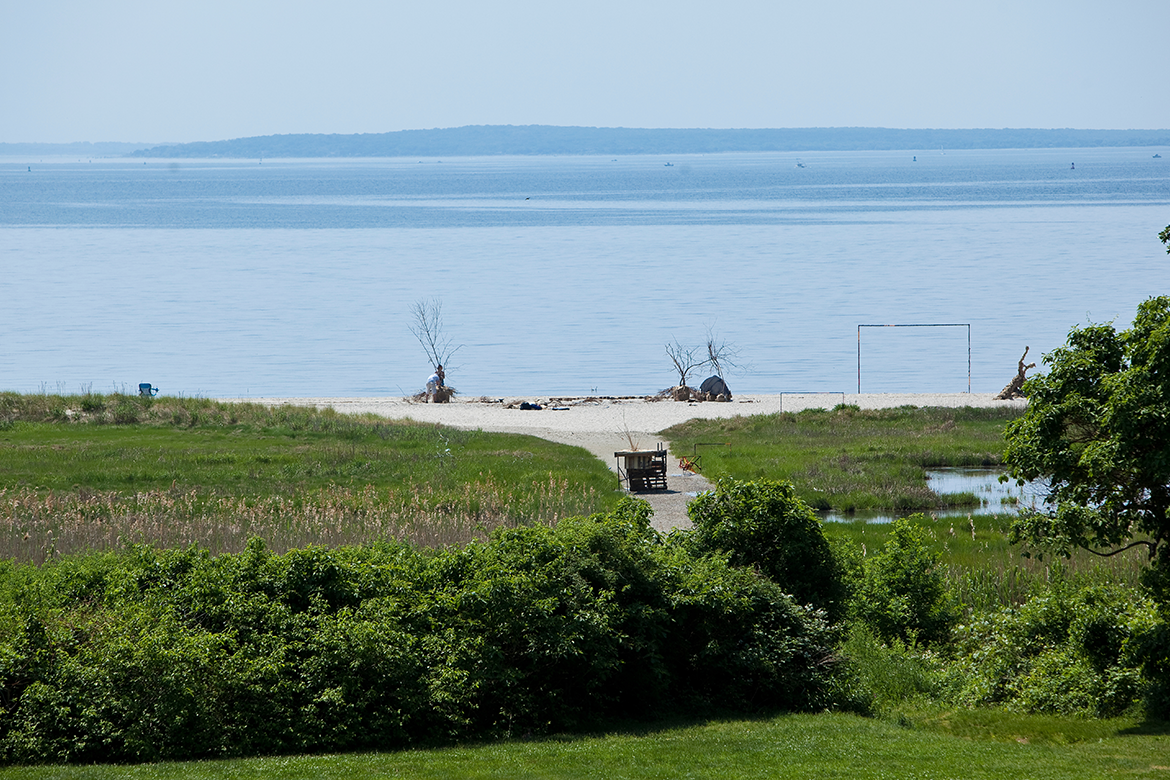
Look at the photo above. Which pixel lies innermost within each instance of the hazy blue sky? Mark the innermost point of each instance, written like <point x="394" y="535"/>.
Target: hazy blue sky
<point x="130" y="70"/>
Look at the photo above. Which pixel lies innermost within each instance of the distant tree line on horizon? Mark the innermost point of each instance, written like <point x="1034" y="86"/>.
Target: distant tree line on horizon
<point x="548" y="140"/>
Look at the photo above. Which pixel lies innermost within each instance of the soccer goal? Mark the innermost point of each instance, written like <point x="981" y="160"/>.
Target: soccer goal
<point x="966" y="325"/>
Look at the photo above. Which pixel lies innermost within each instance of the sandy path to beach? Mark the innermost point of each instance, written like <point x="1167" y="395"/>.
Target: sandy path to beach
<point x="605" y="425"/>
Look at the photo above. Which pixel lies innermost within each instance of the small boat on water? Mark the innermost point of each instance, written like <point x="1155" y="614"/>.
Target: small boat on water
<point x="670" y="165"/>
<point x="1157" y="156"/>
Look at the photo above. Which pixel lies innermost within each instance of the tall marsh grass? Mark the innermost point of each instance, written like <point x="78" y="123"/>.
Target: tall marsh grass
<point x="93" y="472"/>
<point x="983" y="569"/>
<point x="36" y="526"/>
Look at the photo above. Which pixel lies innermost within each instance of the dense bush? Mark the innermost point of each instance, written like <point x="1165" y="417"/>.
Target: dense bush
<point x="149" y="655"/>
<point x="903" y="594"/>
<point x="765" y="525"/>
<point x="1063" y="651"/>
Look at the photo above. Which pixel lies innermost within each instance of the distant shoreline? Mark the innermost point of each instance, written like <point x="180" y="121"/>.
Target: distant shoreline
<point x="537" y="140"/>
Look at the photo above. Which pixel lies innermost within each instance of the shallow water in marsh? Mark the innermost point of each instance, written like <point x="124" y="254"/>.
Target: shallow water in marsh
<point x="995" y="497"/>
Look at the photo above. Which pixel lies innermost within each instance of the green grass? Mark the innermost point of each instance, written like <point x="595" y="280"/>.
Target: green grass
<point x="847" y="459"/>
<point x="89" y="472"/>
<point x="983" y="744"/>
<point x="79" y="472"/>
<point x="985" y="570"/>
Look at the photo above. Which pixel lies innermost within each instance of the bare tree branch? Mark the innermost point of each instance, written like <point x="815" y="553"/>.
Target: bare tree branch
<point x="685" y="359"/>
<point x="720" y="353"/>
<point x="427" y="326"/>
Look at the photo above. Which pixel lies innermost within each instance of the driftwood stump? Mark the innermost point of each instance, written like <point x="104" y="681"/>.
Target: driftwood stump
<point x="1015" y="388"/>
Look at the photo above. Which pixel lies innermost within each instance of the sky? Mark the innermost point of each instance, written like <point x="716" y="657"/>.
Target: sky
<point x="161" y="72"/>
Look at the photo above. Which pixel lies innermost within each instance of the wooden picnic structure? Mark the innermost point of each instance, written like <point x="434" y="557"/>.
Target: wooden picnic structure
<point x="642" y="470"/>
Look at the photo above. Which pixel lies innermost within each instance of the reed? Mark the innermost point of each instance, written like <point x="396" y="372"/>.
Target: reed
<point x="75" y="475"/>
<point x="36" y="525"/>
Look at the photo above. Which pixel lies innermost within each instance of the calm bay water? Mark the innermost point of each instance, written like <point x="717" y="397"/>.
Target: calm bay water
<point x="567" y="275"/>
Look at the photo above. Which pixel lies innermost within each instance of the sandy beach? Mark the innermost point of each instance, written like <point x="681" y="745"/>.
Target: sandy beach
<point x="600" y="423"/>
<point x="604" y="425"/>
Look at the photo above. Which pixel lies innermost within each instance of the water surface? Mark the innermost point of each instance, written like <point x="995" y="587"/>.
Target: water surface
<point x="567" y="275"/>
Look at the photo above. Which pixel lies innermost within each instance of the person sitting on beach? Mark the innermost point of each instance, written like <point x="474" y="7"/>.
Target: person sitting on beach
<point x="434" y="382"/>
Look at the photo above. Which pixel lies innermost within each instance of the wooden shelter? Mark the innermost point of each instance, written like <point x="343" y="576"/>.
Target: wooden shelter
<point x="642" y="470"/>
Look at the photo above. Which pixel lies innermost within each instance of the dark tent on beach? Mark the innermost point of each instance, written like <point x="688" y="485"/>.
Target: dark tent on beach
<point x="716" y="386"/>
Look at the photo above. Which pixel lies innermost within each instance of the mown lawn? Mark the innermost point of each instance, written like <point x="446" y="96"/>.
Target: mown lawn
<point x="969" y="746"/>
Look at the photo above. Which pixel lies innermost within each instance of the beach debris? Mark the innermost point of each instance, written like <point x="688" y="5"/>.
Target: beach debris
<point x="1015" y="388"/>
<point x="715" y="353"/>
<point x="642" y="470"/>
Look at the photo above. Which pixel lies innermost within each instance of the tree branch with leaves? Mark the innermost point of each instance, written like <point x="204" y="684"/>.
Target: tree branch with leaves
<point x="1097" y="428"/>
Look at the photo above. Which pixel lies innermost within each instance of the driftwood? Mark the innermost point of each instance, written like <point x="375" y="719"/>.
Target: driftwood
<point x="687" y="393"/>
<point x="1015" y="388"/>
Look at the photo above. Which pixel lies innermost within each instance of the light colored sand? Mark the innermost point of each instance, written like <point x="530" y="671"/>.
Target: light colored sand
<point x="614" y="416"/>
<point x="605" y="425"/>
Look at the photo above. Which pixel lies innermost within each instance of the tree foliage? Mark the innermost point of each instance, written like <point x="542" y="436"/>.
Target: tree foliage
<point x="1097" y="428"/>
<point x="903" y="594"/>
<point x="764" y="524"/>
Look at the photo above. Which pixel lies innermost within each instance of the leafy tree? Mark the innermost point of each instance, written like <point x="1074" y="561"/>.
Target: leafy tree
<point x="903" y="594"/>
<point x="1097" y="428"/>
<point x="1164" y="236"/>
<point x="764" y="524"/>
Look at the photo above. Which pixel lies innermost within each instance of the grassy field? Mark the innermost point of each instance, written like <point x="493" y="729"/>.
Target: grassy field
<point x="93" y="472"/>
<point x="848" y="459"/>
<point x="984" y="569"/>
<point x="952" y="745"/>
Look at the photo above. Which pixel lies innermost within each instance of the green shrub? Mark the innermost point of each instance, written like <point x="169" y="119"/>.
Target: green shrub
<point x="126" y="410"/>
<point x="903" y="594"/>
<point x="149" y="655"/>
<point x="1063" y="651"/>
<point x="1152" y="648"/>
<point x="93" y="402"/>
<point x="763" y="524"/>
<point x="877" y="675"/>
